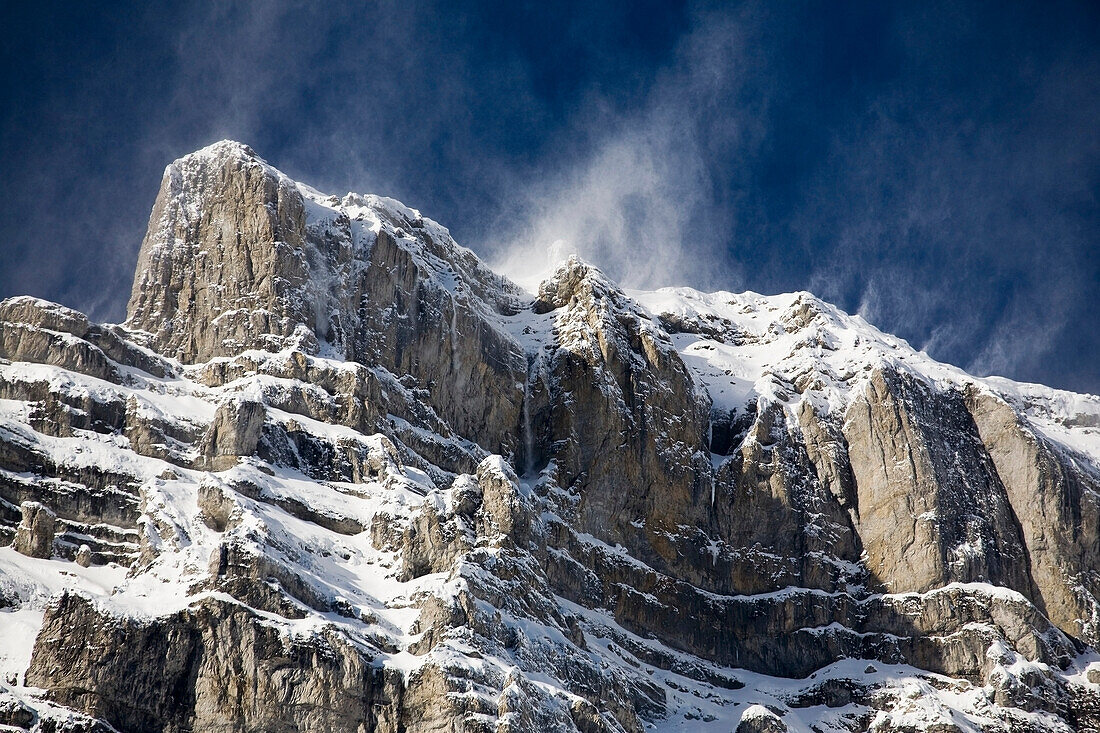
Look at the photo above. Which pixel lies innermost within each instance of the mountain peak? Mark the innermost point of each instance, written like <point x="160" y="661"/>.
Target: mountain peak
<point x="221" y="257"/>
<point x="432" y="503"/>
<point x="225" y="150"/>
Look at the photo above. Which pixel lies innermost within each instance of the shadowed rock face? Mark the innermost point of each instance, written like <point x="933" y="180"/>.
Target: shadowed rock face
<point x="620" y="418"/>
<point x="932" y="508"/>
<point x="1057" y="506"/>
<point x="213" y="667"/>
<point x="360" y="482"/>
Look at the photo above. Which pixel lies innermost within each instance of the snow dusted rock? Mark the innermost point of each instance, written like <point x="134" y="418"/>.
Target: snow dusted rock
<point x="214" y="666"/>
<point x="223" y="266"/>
<point x="14" y="712"/>
<point x="235" y="432"/>
<point x="215" y="506"/>
<point x="34" y="536"/>
<point x="615" y="411"/>
<point x="758" y="719"/>
<point x="38" y="331"/>
<point x="335" y="474"/>
<point x="238" y="256"/>
<point x="27" y="342"/>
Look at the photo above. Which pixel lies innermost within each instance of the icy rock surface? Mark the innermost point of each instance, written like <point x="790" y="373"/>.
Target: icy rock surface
<point x="335" y="474"/>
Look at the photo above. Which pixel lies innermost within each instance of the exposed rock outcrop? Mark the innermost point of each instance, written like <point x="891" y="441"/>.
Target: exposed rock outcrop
<point x="932" y="508"/>
<point x="214" y="666"/>
<point x="223" y="266"/>
<point x="336" y="474"/>
<point x="35" y="534"/>
<point x="616" y="411"/>
<point x="235" y="432"/>
<point x="1057" y="505"/>
<point x="232" y="262"/>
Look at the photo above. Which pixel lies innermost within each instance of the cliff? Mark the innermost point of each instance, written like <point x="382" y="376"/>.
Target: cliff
<point x="333" y="473"/>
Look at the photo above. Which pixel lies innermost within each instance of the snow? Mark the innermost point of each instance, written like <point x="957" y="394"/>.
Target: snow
<point x="32" y="582"/>
<point x="794" y="346"/>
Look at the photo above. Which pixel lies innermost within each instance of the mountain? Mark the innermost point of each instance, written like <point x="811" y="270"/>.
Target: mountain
<point x="334" y="473"/>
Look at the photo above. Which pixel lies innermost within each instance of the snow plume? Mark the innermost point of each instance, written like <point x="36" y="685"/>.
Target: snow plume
<point x="630" y="210"/>
<point x="641" y="204"/>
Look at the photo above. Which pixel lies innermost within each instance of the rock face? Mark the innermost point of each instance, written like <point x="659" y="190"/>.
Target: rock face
<point x="615" y="410"/>
<point x="333" y="473"/>
<point x="933" y="509"/>
<point x="34" y="535"/>
<point x="235" y="432"/>
<point x="232" y="261"/>
<point x="223" y="265"/>
<point x="1052" y="493"/>
<point x="214" y="667"/>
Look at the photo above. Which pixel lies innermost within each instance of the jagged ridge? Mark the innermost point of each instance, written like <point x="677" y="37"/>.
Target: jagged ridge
<point x="334" y="473"/>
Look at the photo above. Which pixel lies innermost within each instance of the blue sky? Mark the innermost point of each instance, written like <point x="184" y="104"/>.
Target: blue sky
<point x="935" y="167"/>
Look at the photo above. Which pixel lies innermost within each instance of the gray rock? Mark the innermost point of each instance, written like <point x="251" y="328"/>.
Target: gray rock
<point x="932" y="508"/>
<point x="222" y="266"/>
<point x="758" y="719"/>
<point x="35" y="534"/>
<point x="1057" y="506"/>
<point x="1092" y="674"/>
<point x="229" y="263"/>
<point x="215" y="667"/>
<point x="14" y="712"/>
<point x="215" y="507"/>
<point x="235" y="432"/>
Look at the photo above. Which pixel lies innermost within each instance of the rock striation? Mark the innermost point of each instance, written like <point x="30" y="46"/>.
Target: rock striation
<point x="333" y="473"/>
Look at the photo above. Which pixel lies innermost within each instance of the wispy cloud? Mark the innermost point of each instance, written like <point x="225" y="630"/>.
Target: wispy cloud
<point x="642" y="204"/>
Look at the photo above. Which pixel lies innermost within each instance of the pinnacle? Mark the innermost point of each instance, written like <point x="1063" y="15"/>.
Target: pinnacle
<point x="224" y="150"/>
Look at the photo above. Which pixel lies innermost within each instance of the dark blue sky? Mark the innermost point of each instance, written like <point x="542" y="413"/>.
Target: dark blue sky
<point x="935" y="167"/>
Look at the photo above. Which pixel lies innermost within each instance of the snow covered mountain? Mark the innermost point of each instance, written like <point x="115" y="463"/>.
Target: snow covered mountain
<point x="333" y="473"/>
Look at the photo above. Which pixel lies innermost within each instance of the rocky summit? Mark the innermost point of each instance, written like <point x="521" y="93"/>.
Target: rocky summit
<point x="335" y="474"/>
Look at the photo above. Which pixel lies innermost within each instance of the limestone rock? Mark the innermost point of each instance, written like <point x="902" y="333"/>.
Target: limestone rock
<point x="235" y="432"/>
<point x="932" y="508"/>
<point x="336" y="474"/>
<point x="1093" y="674"/>
<point x="214" y="666"/>
<point x="237" y="257"/>
<point x="35" y="534"/>
<point x="20" y="342"/>
<point x="222" y="264"/>
<point x="1058" y="510"/>
<point x="758" y="719"/>
<point x="215" y="507"/>
<point x="617" y="413"/>
<point x="14" y="712"/>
